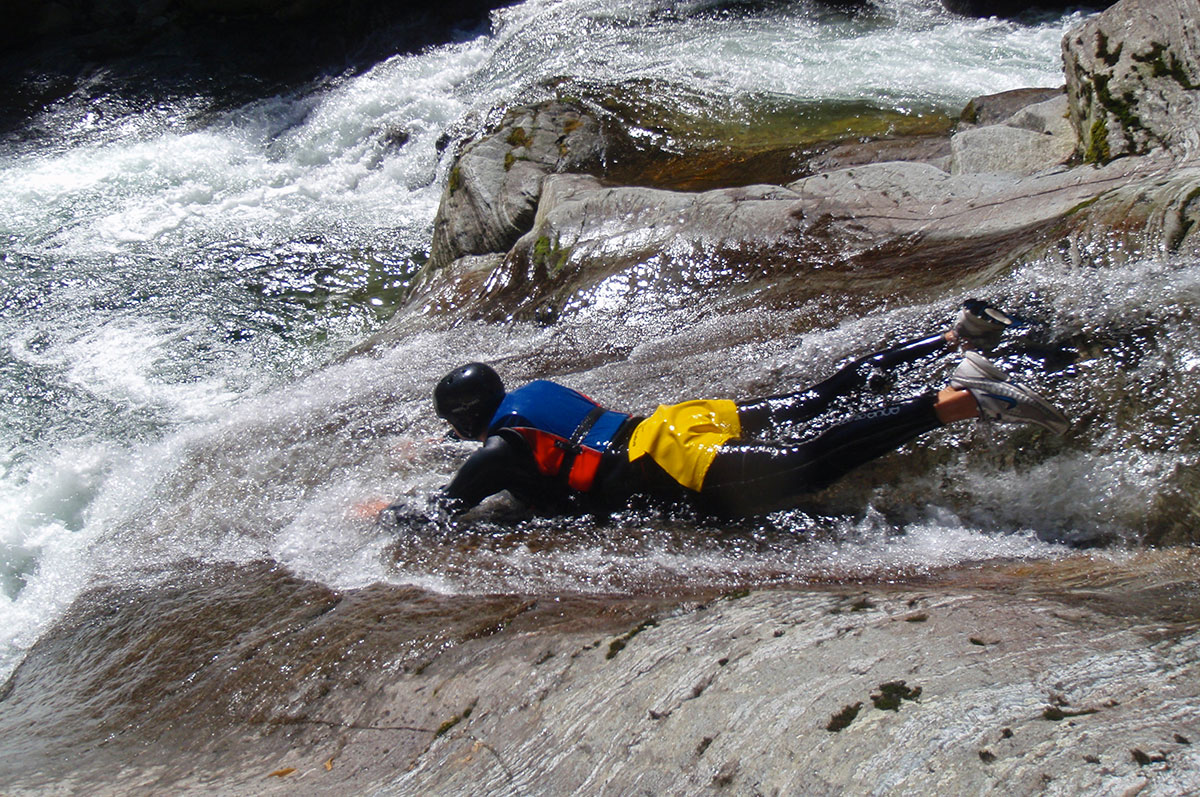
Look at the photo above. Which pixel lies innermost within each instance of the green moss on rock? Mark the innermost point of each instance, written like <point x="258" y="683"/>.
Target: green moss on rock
<point x="549" y="256"/>
<point x="618" y="644"/>
<point x="1097" y="148"/>
<point x="1109" y="57"/>
<point x="457" y="718"/>
<point x="1120" y="107"/>
<point x="1163" y="63"/>
<point x="519" y="137"/>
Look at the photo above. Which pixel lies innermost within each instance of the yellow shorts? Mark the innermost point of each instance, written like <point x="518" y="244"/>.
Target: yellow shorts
<point x="684" y="438"/>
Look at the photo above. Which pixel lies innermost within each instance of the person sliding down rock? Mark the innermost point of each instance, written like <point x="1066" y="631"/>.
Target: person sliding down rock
<point x="557" y="450"/>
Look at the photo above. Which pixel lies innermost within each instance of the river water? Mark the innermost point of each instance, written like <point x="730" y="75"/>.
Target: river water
<point x="182" y="284"/>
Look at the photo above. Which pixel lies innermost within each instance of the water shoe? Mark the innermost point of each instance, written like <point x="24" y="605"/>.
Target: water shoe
<point x="1001" y="399"/>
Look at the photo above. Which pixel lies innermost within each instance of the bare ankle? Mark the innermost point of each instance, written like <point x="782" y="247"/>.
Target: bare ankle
<point x="955" y="405"/>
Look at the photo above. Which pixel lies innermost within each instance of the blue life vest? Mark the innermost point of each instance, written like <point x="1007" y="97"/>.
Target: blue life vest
<point x="566" y="431"/>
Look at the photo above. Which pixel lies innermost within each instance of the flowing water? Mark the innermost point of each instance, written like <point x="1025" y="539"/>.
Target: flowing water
<point x="182" y="283"/>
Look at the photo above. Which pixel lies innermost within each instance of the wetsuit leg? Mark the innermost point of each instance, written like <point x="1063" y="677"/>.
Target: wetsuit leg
<point x="758" y="416"/>
<point x="751" y="477"/>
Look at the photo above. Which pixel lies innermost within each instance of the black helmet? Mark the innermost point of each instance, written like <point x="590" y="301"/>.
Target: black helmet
<point x="468" y="397"/>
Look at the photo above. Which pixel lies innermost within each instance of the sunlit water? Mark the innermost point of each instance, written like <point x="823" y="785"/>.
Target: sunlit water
<point x="179" y="284"/>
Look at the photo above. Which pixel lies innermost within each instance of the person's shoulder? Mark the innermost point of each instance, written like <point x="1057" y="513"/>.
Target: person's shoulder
<point x="541" y="384"/>
<point x="539" y="388"/>
<point x="504" y="439"/>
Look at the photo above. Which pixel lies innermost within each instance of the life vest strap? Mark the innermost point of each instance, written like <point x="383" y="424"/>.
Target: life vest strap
<point x="571" y="448"/>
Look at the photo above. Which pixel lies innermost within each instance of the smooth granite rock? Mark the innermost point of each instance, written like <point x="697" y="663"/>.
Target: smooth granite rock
<point x="493" y="190"/>
<point x="1075" y="676"/>
<point x="1133" y="76"/>
<point x="1005" y="190"/>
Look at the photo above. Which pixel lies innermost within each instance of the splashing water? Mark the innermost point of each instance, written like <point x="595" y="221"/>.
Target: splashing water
<point x="178" y="285"/>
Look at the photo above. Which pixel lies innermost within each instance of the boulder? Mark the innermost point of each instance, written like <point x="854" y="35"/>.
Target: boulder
<point x="1133" y="77"/>
<point x="1036" y="138"/>
<point x="992" y="109"/>
<point x="1050" y="117"/>
<point x="493" y="188"/>
<point x="893" y="228"/>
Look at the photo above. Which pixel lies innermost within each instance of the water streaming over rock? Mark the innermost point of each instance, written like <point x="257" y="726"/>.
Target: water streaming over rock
<point x="181" y="288"/>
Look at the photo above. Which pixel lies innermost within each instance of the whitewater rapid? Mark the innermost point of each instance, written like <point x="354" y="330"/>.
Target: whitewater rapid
<point x="180" y="282"/>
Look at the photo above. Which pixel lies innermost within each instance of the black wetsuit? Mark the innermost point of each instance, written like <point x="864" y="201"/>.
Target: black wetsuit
<point x="751" y="474"/>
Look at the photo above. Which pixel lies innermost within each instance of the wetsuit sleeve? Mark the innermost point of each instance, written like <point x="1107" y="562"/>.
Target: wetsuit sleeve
<point x="499" y="465"/>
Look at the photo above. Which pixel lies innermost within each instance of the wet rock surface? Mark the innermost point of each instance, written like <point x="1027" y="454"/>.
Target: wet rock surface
<point x="1052" y="675"/>
<point x="1003" y="188"/>
<point x="1133" y="76"/>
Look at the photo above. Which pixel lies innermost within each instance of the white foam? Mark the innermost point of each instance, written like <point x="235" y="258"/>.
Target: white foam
<point x="295" y="161"/>
<point x="43" y="541"/>
<point x="914" y="53"/>
<point x="137" y="238"/>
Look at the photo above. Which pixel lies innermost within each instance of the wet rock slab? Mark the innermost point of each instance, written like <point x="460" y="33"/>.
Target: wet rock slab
<point x="1047" y="676"/>
<point x="804" y="693"/>
<point x="1107" y="162"/>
